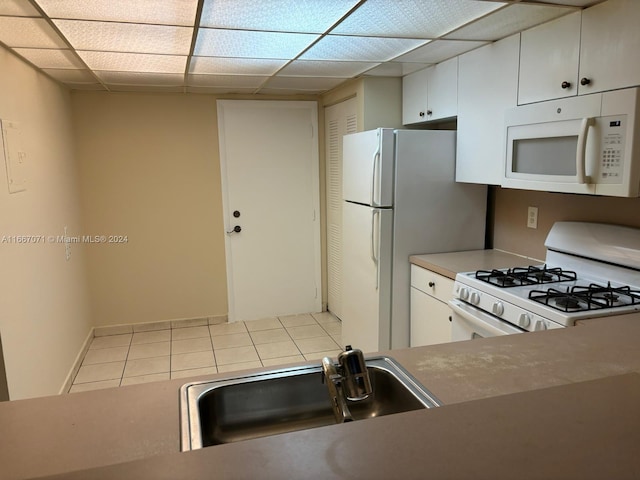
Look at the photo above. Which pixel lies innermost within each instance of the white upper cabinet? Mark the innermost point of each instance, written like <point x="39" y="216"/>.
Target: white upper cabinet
<point x="581" y="53"/>
<point x="487" y="86"/>
<point x="549" y="56"/>
<point x="610" y="46"/>
<point x="431" y="94"/>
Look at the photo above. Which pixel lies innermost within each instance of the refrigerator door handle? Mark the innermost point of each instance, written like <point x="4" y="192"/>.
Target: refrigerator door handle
<point x="376" y="162"/>
<point x="375" y="213"/>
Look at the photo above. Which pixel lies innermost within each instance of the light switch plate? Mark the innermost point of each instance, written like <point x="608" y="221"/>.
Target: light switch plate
<point x="532" y="217"/>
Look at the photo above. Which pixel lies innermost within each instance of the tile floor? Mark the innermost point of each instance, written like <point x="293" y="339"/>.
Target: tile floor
<point x="140" y="357"/>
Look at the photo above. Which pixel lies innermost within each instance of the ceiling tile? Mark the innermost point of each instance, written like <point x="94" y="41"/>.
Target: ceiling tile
<point x="249" y="44"/>
<point x="235" y="66"/>
<point x="574" y="3"/>
<point x="318" y="68"/>
<point x="163" y="12"/>
<point x="145" y="88"/>
<point x="395" y="69"/>
<point x="70" y="76"/>
<point x="290" y="91"/>
<point x="29" y="32"/>
<point x="136" y="78"/>
<point x="50" y="58"/>
<point x="301" y="16"/>
<point x="509" y="20"/>
<point x="17" y="8"/>
<point x="362" y="49"/>
<point x="439" y="50"/>
<point x="241" y="81"/>
<point x="220" y="90"/>
<point x="413" y="18"/>
<point x="304" y="83"/>
<point x="134" y="62"/>
<point x="126" y="37"/>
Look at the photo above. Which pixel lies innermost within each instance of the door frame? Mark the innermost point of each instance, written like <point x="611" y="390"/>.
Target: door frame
<point x="315" y="176"/>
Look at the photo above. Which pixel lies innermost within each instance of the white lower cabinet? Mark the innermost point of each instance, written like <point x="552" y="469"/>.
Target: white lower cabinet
<point x="430" y="312"/>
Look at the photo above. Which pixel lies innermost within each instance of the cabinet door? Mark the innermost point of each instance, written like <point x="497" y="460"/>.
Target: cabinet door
<point x="549" y="56"/>
<point x="487" y="86"/>
<point x="414" y="97"/>
<point x="430" y="322"/>
<point x="609" y="46"/>
<point x="442" y="90"/>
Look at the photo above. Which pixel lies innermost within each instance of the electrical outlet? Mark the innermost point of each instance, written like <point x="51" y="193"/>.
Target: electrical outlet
<point x="532" y="217"/>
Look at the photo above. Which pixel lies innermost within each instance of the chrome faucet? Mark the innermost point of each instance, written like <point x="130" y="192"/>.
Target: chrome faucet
<point x="348" y="381"/>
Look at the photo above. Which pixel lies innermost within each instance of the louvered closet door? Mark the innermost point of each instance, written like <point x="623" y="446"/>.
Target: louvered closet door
<point x="340" y="119"/>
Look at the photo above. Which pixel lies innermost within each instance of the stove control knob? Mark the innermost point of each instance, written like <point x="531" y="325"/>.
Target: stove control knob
<point x="540" y="325"/>
<point x="524" y="320"/>
<point x="498" y="308"/>
<point x="475" y="298"/>
<point x="464" y="293"/>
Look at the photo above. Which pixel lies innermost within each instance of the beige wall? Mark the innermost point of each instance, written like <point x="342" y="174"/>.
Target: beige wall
<point x="44" y="313"/>
<point x="510" y="230"/>
<point x="149" y="169"/>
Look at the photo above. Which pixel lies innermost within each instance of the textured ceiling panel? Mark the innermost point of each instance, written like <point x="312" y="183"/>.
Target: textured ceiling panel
<point x="395" y="69"/>
<point x="135" y="78"/>
<point x="71" y="76"/>
<point x="225" y="81"/>
<point x="439" y="50"/>
<point x="249" y="44"/>
<point x="29" y="32"/>
<point x="317" y="68"/>
<point x="360" y="49"/>
<point x="302" y="16"/>
<point x="235" y="66"/>
<point x="413" y="18"/>
<point x="126" y="37"/>
<point x="163" y="12"/>
<point x="17" y="8"/>
<point x="303" y="83"/>
<point x="49" y="58"/>
<point x="134" y="62"/>
<point x="509" y="20"/>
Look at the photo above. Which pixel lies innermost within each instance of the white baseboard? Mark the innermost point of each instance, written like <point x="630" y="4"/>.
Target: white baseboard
<point x="77" y="362"/>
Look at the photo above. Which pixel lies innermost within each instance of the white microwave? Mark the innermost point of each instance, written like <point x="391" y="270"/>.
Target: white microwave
<point x="585" y="144"/>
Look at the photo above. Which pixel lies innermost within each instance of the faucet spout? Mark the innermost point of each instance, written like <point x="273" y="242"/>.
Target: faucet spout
<point x="350" y="381"/>
<point x="334" y="384"/>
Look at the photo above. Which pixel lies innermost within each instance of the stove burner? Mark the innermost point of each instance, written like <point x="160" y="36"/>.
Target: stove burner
<point x="520" y="276"/>
<point x="567" y="302"/>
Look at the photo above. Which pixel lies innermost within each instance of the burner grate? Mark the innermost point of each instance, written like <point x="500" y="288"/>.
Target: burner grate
<point x="585" y="298"/>
<point x="522" y="276"/>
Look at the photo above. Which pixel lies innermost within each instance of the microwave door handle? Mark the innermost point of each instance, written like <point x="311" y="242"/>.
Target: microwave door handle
<point x="581" y="174"/>
<point x="375" y="213"/>
<point x="376" y="161"/>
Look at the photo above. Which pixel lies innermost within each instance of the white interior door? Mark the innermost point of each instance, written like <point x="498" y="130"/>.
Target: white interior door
<point x="269" y="168"/>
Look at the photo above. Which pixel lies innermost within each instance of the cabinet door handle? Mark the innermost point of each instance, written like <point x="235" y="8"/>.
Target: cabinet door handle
<point x="429" y="113"/>
<point x="585" y="81"/>
<point x="432" y="284"/>
<point x="421" y="114"/>
<point x="566" y="85"/>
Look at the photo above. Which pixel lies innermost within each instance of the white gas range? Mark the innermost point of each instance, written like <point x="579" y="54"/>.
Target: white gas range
<point x="592" y="270"/>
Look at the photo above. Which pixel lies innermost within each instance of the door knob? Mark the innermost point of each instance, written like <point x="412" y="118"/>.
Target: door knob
<point x="236" y="229"/>
<point x="236" y="213"/>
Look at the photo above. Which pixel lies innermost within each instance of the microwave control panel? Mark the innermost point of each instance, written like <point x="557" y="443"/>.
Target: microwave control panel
<point x="613" y="131"/>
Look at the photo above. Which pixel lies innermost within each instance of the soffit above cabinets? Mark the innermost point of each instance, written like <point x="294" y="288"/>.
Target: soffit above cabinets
<point x="254" y="46"/>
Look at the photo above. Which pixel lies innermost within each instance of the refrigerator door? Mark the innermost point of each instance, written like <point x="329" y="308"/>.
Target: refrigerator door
<point x="366" y="315"/>
<point x="367" y="167"/>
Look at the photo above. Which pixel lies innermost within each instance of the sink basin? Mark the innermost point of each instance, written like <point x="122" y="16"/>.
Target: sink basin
<point x="286" y="400"/>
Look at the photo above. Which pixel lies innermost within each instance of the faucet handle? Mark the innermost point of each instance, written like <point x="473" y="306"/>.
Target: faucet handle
<point x="356" y="376"/>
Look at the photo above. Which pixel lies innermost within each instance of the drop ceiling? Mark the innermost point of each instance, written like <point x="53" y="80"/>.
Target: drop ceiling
<point x="253" y="46"/>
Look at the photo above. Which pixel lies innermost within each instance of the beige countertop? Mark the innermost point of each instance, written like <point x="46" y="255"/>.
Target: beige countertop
<point x="448" y="264"/>
<point x="133" y="432"/>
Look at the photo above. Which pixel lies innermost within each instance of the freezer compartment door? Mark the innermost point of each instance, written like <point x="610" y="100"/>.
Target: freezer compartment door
<point x="367" y="253"/>
<point x="368" y="166"/>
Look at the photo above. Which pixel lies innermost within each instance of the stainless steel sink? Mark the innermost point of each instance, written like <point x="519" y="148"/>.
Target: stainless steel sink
<point x="286" y="400"/>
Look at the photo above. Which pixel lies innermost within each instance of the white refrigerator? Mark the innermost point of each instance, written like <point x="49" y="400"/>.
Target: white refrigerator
<point x="399" y="199"/>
